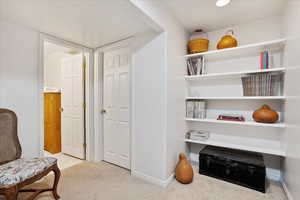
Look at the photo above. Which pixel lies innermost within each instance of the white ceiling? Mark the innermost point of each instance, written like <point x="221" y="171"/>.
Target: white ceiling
<point x="195" y="14"/>
<point x="88" y="22"/>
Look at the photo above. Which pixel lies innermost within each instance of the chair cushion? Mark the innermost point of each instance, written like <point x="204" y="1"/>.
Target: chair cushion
<point x="19" y="170"/>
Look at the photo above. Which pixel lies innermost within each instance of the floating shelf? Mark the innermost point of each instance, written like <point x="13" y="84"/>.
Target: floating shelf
<point x="240" y="50"/>
<point x="277" y="152"/>
<point x="239" y="98"/>
<point x="246" y="123"/>
<point x="232" y="74"/>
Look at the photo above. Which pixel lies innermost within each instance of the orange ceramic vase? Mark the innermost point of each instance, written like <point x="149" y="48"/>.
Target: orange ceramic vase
<point x="227" y="41"/>
<point x="184" y="171"/>
<point x="265" y="115"/>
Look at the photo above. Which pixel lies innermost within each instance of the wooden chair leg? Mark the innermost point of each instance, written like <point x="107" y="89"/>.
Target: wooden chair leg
<point x="56" y="180"/>
<point x="10" y="193"/>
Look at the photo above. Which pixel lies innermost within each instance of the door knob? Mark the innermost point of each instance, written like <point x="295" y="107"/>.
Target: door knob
<point x="103" y="111"/>
<point x="61" y="109"/>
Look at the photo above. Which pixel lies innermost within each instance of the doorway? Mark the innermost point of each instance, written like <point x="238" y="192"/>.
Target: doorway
<point x="116" y="104"/>
<point x="64" y="104"/>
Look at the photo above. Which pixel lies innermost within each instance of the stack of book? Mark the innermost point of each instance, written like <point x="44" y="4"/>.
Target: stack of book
<point x="195" y="109"/>
<point x="195" y="66"/>
<point x="236" y="118"/>
<point x="198" y="135"/>
<point x="267" y="84"/>
<point x="265" y="60"/>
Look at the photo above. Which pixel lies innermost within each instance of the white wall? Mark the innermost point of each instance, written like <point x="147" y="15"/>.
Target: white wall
<point x="176" y="90"/>
<point x="174" y="94"/>
<point x="19" y="49"/>
<point x="291" y="164"/>
<point x="149" y="121"/>
<point x="256" y="31"/>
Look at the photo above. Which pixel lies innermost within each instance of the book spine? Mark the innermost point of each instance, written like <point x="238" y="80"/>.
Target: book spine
<point x="281" y="84"/>
<point x="198" y="66"/>
<point x="263" y="84"/>
<point x="267" y="59"/>
<point x="248" y="86"/>
<point x="262" y="60"/>
<point x="203" y="65"/>
<point x="269" y="84"/>
<point x="188" y="67"/>
<point x="252" y="86"/>
<point x="244" y="86"/>
<point x="258" y="85"/>
<point x="190" y="109"/>
<point x="202" y="109"/>
<point x="194" y="66"/>
<point x="255" y="85"/>
<point x="270" y="59"/>
<point x="197" y="109"/>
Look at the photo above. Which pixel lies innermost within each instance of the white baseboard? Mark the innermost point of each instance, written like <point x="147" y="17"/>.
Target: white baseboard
<point x="286" y="190"/>
<point x="154" y="180"/>
<point x="272" y="174"/>
<point x="170" y="179"/>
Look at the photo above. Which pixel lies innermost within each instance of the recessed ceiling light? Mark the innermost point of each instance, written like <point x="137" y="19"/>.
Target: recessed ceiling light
<point x="221" y="3"/>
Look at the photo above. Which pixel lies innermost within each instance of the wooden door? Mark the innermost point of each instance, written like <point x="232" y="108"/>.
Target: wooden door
<point x="116" y="107"/>
<point x="52" y="122"/>
<point x="72" y="73"/>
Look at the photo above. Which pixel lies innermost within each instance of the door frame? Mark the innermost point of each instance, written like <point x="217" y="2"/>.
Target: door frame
<point x="99" y="95"/>
<point x="89" y="92"/>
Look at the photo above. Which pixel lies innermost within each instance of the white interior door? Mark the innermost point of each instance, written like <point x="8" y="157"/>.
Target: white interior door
<point x="72" y="101"/>
<point x="116" y="107"/>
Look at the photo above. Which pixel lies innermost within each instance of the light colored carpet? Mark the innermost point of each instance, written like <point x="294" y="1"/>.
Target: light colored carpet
<point x="102" y="181"/>
<point x="64" y="161"/>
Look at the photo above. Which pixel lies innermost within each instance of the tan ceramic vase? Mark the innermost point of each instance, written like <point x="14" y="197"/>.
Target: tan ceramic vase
<point x="184" y="171"/>
<point x="265" y="115"/>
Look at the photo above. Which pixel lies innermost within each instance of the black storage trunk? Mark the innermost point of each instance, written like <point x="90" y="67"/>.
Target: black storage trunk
<point x="239" y="167"/>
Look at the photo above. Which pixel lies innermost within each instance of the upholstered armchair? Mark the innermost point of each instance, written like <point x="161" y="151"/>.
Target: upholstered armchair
<point x="16" y="172"/>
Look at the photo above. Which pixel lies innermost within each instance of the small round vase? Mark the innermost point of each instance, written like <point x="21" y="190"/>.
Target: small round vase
<point x="265" y="115"/>
<point x="184" y="171"/>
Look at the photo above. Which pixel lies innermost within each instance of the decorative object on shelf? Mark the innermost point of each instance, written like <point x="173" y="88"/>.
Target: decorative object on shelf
<point x="266" y="84"/>
<point x="198" y="135"/>
<point x="246" y="50"/>
<point x="195" y="109"/>
<point x="227" y="41"/>
<point x="195" y="66"/>
<point x="265" y="115"/>
<point x="199" y="42"/>
<point x="230" y="117"/>
<point x="184" y="170"/>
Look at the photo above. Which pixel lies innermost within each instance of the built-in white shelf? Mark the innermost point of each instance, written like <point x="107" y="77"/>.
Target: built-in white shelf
<point x="232" y="74"/>
<point x="232" y="55"/>
<point x="240" y="50"/>
<point x="246" y="123"/>
<point x="239" y="98"/>
<point x="275" y="151"/>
